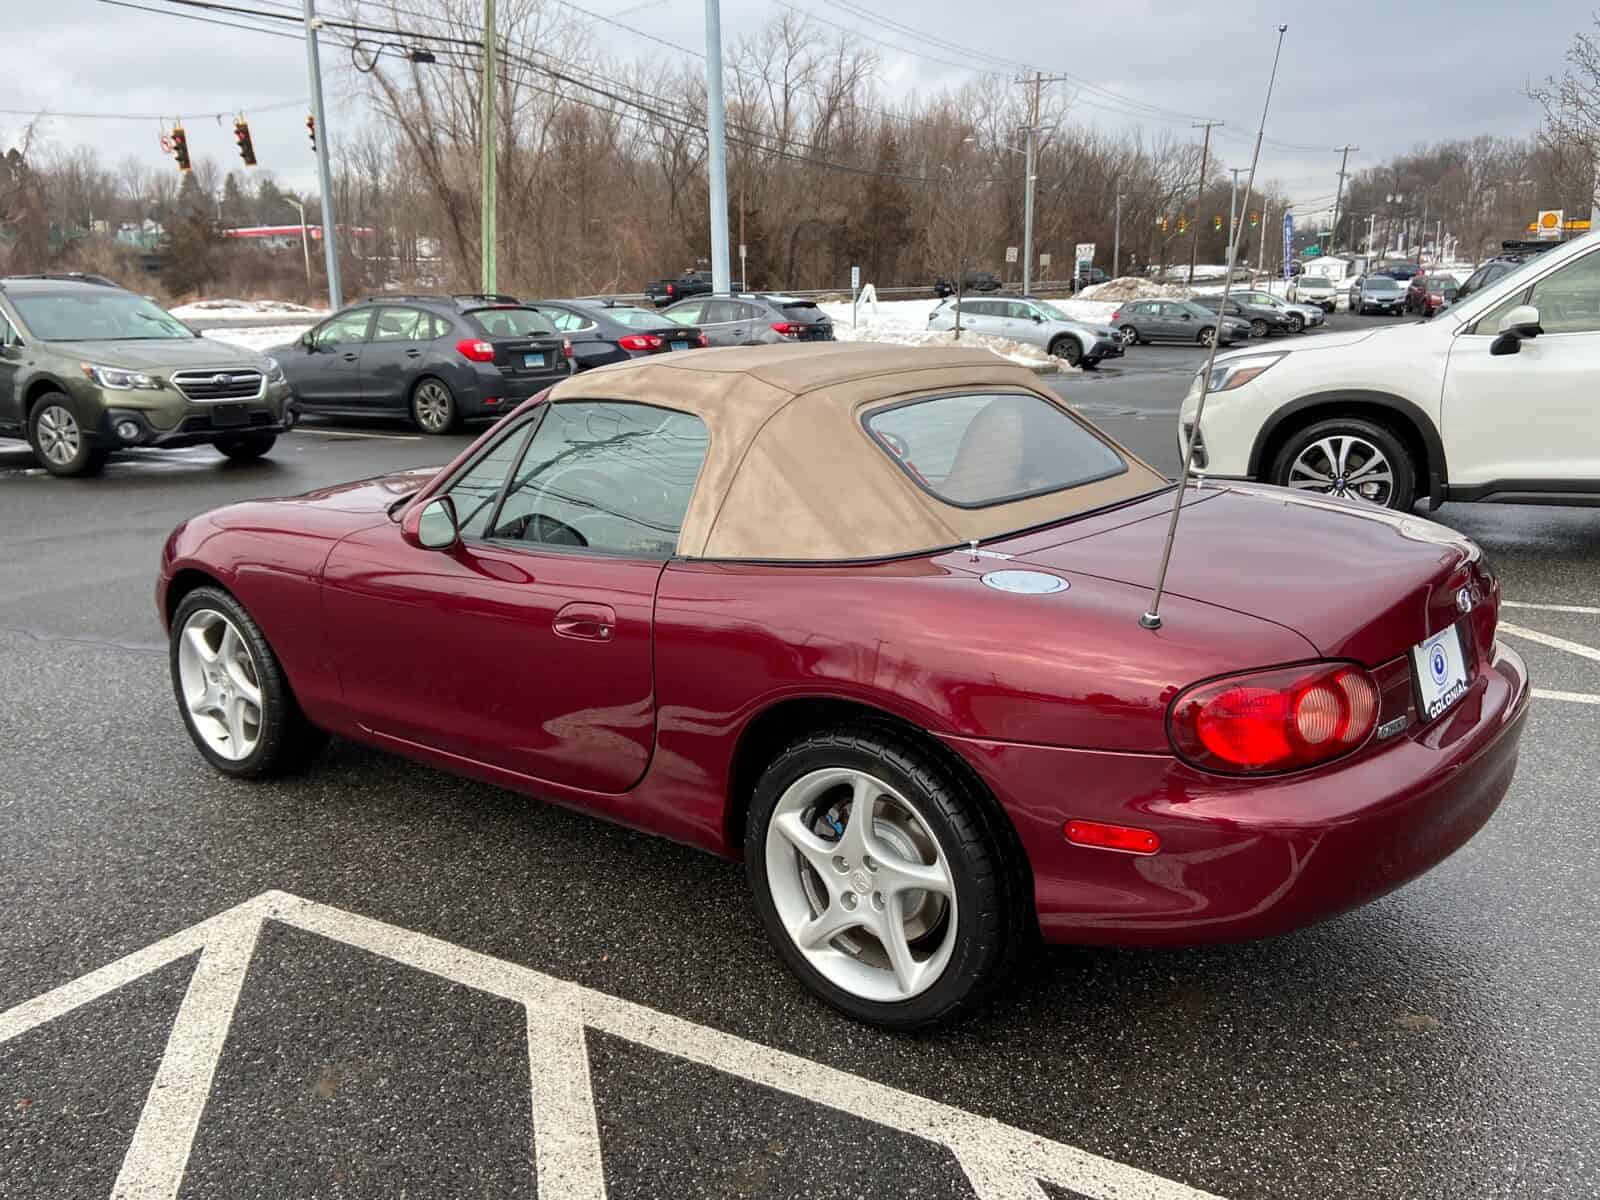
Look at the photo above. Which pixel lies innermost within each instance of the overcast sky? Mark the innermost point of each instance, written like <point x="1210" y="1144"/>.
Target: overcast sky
<point x="1385" y="76"/>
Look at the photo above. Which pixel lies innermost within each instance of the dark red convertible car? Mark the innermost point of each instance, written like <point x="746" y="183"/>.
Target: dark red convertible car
<point x="868" y="617"/>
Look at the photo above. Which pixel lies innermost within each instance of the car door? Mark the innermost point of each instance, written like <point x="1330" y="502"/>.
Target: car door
<point x="1019" y="323"/>
<point x="590" y="346"/>
<point x="526" y="646"/>
<point x="737" y="322"/>
<point x="1533" y="415"/>
<point x="980" y="316"/>
<point x="329" y="372"/>
<point x="1176" y="321"/>
<point x="10" y="362"/>
<point x="395" y="350"/>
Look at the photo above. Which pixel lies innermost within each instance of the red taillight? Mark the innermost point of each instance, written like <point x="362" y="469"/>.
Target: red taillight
<point x="477" y="351"/>
<point x="1117" y="316"/>
<point x="640" y="341"/>
<point x="672" y="289"/>
<point x="1111" y="837"/>
<point x="566" y="347"/>
<point x="1280" y="720"/>
<point x="702" y="340"/>
<point x="788" y="328"/>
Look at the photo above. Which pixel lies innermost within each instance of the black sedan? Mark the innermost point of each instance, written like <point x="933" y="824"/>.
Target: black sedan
<point x="604" y="331"/>
<point x="439" y="360"/>
<point x="1263" y="321"/>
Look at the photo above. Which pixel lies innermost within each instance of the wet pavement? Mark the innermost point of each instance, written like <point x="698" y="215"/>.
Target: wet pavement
<point x="424" y="986"/>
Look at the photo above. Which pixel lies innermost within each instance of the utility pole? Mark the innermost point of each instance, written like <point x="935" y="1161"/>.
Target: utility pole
<point x="486" y="167"/>
<point x="1338" y="194"/>
<point x="1116" y="241"/>
<point x="717" y="159"/>
<point x="1029" y="178"/>
<point x="330" y="249"/>
<point x="1199" y="192"/>
<point x="1261" y="256"/>
<point x="1372" y="221"/>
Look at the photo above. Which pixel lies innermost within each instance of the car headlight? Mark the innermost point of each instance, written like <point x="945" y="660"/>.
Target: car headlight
<point x="1229" y="375"/>
<point x="118" y="380"/>
<point x="274" y="370"/>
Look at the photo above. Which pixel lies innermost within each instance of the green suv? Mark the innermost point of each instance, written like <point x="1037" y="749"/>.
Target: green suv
<point x="87" y="368"/>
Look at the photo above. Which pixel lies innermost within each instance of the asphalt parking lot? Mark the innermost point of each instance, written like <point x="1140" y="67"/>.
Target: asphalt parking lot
<point x="379" y="980"/>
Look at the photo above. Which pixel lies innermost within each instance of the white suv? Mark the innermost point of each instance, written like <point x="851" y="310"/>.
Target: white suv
<point x="1496" y="398"/>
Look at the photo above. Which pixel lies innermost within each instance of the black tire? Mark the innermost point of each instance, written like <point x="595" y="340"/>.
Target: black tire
<point x="1297" y="323"/>
<point x="992" y="889"/>
<point x="1130" y="336"/>
<point x="1067" y="347"/>
<point x="52" y="419"/>
<point x="427" y="395"/>
<point x="247" y="448"/>
<point x="1258" y="328"/>
<point x="1206" y="334"/>
<point x="1403" y="467"/>
<point x="287" y="742"/>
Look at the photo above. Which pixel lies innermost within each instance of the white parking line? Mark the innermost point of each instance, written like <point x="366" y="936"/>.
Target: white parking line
<point x="1569" y="697"/>
<point x="1001" y="1162"/>
<point x="1550" y="639"/>
<point x="1586" y="609"/>
<point x="350" y="433"/>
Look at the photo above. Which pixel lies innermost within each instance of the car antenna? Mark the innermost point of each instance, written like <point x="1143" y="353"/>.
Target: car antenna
<point x="1152" y="618"/>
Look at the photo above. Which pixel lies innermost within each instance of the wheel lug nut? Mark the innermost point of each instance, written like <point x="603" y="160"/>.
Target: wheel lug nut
<point x="848" y="900"/>
<point x="870" y="863"/>
<point x="877" y="901"/>
<point x="841" y="864"/>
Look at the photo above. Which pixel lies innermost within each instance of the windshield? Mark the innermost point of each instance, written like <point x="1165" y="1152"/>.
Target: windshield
<point x="1051" y="311"/>
<point x="511" y="322"/>
<point x="97" y="316"/>
<point x="1487" y="274"/>
<point x="1382" y="283"/>
<point x="635" y="318"/>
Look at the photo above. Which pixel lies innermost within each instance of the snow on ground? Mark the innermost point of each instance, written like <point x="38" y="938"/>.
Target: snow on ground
<point x="905" y="323"/>
<point x="242" y="310"/>
<point x="1131" y="287"/>
<point x="257" y="338"/>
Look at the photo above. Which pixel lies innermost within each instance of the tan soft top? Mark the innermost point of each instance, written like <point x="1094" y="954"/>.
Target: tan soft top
<point x="791" y="474"/>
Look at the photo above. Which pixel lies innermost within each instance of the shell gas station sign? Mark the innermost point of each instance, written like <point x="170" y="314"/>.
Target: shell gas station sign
<point x="1551" y="224"/>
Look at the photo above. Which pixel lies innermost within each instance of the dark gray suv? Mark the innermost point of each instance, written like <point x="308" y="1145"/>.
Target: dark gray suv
<point x="753" y="319"/>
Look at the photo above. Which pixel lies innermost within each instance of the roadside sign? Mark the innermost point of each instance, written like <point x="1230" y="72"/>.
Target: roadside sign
<point x="1044" y="260"/>
<point x="1312" y="251"/>
<point x="1550" y="224"/>
<point x="855" y="277"/>
<point x="1084" y="254"/>
<point x="1011" y="254"/>
<point x="1288" y="244"/>
<point x="741" y="249"/>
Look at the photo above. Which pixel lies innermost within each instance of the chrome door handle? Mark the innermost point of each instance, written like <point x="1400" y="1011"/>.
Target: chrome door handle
<point x="586" y="622"/>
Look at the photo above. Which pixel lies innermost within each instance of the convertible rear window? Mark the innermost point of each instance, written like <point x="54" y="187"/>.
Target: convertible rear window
<point x="977" y="450"/>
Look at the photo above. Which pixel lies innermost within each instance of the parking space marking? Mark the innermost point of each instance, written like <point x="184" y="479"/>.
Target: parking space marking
<point x="1550" y="639"/>
<point x="1001" y="1161"/>
<point x="1569" y="697"/>
<point x="351" y="433"/>
<point x="1585" y="609"/>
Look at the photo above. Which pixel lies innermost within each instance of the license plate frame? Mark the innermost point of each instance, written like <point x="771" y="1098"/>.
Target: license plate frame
<point x="534" y="361"/>
<point x="1440" y="672"/>
<point x="680" y="344"/>
<point x="229" y="416"/>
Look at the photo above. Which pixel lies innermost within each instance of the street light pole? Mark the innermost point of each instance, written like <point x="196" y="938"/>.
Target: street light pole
<point x="1338" y="194"/>
<point x="717" y="158"/>
<point x="305" y="239"/>
<point x="1233" y="212"/>
<point x="330" y="249"/>
<point x="1027" y="201"/>
<point x="1116" y="241"/>
<point x="488" y="183"/>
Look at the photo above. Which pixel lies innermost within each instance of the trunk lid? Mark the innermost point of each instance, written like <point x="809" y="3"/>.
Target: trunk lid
<point x="526" y="357"/>
<point x="1355" y="581"/>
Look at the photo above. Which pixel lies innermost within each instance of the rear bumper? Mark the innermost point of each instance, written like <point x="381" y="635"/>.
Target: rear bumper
<point x="1254" y="858"/>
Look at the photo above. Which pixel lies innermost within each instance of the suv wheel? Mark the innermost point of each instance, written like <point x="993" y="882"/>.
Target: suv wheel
<point x="1206" y="335"/>
<point x="1258" y="327"/>
<point x="1130" y="336"/>
<point x="1067" y="347"/>
<point x="433" y="407"/>
<point x="247" y="448"/>
<point x="58" y="440"/>
<point x="1297" y="323"/>
<point x="1346" y="456"/>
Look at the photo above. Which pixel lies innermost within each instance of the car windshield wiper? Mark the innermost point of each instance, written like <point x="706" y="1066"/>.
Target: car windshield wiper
<point x="394" y="506"/>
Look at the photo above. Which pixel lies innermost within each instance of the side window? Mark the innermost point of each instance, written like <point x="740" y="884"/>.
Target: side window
<point x="605" y="476"/>
<point x="437" y="326"/>
<point x="692" y="313"/>
<point x="476" y="491"/>
<point x="343" y="330"/>
<point x="1018" y="310"/>
<point x="1569" y="300"/>
<point x="402" y="325"/>
<point x="720" y="312"/>
<point x="8" y="335"/>
<point x="562" y="319"/>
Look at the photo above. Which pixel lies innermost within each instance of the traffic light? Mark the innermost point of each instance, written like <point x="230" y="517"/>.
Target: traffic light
<point x="180" y="147"/>
<point x="311" y="128"/>
<point x="1183" y="224"/>
<point x="247" y="149"/>
<point x="1255" y="219"/>
<point x="1216" y="222"/>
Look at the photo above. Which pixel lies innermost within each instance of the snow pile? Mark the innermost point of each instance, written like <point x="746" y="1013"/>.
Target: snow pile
<point x="905" y="323"/>
<point x="242" y="310"/>
<point x="257" y="338"/>
<point x="1130" y="287"/>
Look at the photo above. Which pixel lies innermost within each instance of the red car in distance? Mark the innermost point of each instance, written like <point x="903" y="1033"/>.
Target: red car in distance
<point x="1427" y="294"/>
<point x="868" y="618"/>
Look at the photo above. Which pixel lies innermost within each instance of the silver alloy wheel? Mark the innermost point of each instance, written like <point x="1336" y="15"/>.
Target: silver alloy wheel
<point x="861" y="885"/>
<point x="433" y="406"/>
<point x="1206" y="335"/>
<point x="221" y="686"/>
<point x="1130" y="335"/>
<point x="1344" y="465"/>
<point x="59" y="435"/>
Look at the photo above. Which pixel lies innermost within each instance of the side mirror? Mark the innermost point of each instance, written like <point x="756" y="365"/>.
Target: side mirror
<point x="1522" y="321"/>
<point x="433" y="526"/>
<point x="308" y="342"/>
<point x="1506" y="343"/>
<point x="1037" y="319"/>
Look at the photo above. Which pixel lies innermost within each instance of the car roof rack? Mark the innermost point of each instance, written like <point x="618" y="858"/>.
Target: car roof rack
<point x="490" y="297"/>
<point x="387" y="297"/>
<point x="66" y="277"/>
